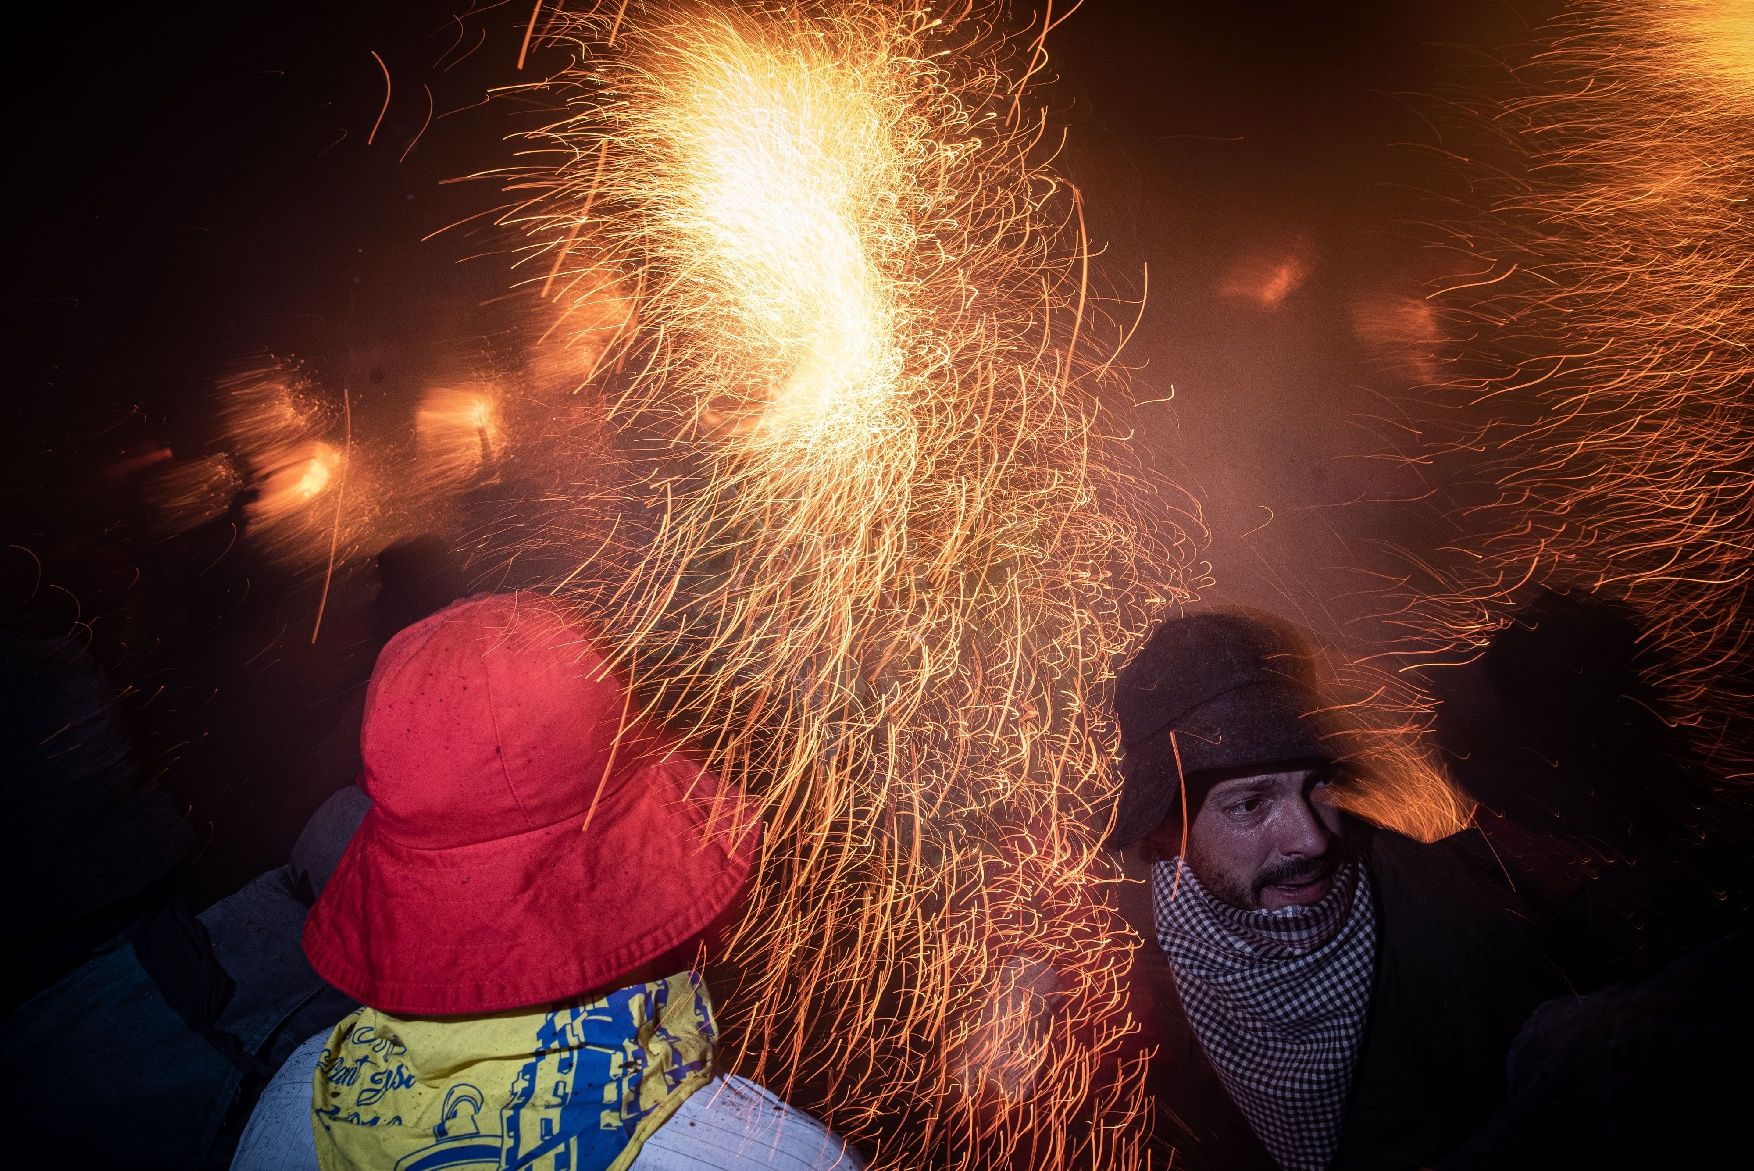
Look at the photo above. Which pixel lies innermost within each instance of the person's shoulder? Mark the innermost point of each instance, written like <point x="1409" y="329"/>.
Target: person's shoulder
<point x="1450" y="895"/>
<point x="1457" y="869"/>
<point x="735" y="1124"/>
<point x="1460" y="961"/>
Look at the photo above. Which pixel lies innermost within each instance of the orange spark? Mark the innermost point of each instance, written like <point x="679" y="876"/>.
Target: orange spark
<point x="529" y="32"/>
<point x="385" y="109"/>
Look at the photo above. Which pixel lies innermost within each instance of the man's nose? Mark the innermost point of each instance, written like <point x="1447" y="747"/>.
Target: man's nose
<point x="1303" y="833"/>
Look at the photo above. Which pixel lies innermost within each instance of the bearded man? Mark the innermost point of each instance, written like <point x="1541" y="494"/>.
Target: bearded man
<point x="1323" y="993"/>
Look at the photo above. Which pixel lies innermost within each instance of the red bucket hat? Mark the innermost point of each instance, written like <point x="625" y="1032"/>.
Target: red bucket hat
<point x="529" y="837"/>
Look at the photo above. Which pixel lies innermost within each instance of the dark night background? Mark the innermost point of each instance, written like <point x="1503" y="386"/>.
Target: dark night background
<point x="193" y="187"/>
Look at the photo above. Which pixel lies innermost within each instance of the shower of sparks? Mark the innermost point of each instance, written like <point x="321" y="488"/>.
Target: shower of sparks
<point x="890" y="544"/>
<point x="1379" y="721"/>
<point x="288" y="439"/>
<point x="587" y="321"/>
<point x="458" y="432"/>
<point x="1606" y="325"/>
<point x="264" y="408"/>
<point x="183" y="495"/>
<point x="293" y="479"/>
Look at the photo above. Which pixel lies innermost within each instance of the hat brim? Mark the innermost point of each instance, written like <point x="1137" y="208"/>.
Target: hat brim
<point x="1256" y="725"/>
<point x="541" y="916"/>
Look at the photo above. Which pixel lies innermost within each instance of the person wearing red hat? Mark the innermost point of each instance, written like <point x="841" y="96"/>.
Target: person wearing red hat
<point x="518" y="915"/>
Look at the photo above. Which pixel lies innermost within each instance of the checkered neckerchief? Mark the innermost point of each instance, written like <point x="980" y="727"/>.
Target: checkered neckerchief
<point x="1277" y="1000"/>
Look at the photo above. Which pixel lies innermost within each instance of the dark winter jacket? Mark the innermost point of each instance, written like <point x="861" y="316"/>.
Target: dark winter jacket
<point x="1457" y="972"/>
<point x="1638" y="1075"/>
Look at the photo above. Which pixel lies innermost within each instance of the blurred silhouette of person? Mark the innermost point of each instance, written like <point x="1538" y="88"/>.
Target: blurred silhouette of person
<point x="1590" y="799"/>
<point x="416" y="577"/>
<point x="1637" y="1075"/>
<point x="187" y="1014"/>
<point x="94" y="844"/>
<point x="151" y="1052"/>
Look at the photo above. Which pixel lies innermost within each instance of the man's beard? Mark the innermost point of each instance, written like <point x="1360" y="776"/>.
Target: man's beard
<point x="1293" y="871"/>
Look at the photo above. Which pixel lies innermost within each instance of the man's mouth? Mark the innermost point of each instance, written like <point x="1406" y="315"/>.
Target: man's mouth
<point x="1294" y="894"/>
<point x="1299" y="888"/>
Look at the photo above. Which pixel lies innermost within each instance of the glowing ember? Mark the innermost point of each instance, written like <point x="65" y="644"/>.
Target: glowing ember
<point x="589" y="322"/>
<point x="1400" y="335"/>
<point x="1268" y="277"/>
<point x="457" y="431"/>
<point x="293" y="480"/>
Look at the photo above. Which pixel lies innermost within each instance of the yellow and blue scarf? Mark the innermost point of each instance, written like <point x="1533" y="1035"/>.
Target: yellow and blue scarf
<point x="578" y="1088"/>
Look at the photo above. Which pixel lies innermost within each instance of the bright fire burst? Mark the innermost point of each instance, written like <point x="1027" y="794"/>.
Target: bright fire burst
<point x="895" y="542"/>
<point x="1605" y="329"/>
<point x="293" y="478"/>
<point x="310" y="497"/>
<point x="457" y="432"/>
<point x="774" y="161"/>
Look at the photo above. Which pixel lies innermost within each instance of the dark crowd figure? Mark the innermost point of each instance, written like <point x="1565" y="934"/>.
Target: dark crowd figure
<point x="149" y="1053"/>
<point x="1648" y="1073"/>
<point x="416" y="577"/>
<point x="1590" y="799"/>
<point x="93" y="844"/>
<point x="1593" y="805"/>
<point x="1320" y="993"/>
<point x="169" y="1021"/>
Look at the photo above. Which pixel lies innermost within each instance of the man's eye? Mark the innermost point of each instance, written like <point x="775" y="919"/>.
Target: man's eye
<point x="1247" y="806"/>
